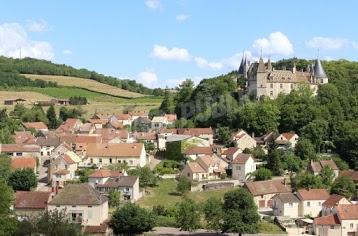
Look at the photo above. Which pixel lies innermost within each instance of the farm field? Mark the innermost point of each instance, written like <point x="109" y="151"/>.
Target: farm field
<point x="86" y="84"/>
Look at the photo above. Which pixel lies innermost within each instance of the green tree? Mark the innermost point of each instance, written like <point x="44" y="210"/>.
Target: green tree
<point x="114" y="198"/>
<point x="7" y="222"/>
<point x="327" y="175"/>
<point x="342" y="165"/>
<point x="293" y="163"/>
<point x="274" y="162"/>
<point x="316" y="132"/>
<point x="213" y="212"/>
<point x="223" y="135"/>
<point x="51" y="116"/>
<point x="131" y="219"/>
<point x="188" y="217"/>
<point x="183" y="185"/>
<point x="167" y="105"/>
<point x="240" y="212"/>
<point x="6" y="137"/>
<point x="344" y="186"/>
<point x="5" y="166"/>
<point x="23" y="179"/>
<point x="305" y="149"/>
<point x="57" y="223"/>
<point x="146" y="176"/>
<point x="306" y="180"/>
<point x="183" y="95"/>
<point x="262" y="174"/>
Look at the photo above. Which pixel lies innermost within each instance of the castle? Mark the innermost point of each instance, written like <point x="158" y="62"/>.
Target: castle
<point x="263" y="81"/>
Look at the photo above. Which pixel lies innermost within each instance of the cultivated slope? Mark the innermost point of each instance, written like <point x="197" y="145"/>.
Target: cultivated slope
<point x="86" y="84"/>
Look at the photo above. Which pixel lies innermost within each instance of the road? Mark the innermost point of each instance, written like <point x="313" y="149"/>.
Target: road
<point x="42" y="184"/>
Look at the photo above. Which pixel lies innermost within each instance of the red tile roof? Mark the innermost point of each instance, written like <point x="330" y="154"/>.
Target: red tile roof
<point x="24" y="137"/>
<point x="327" y="220"/>
<point x="23" y="162"/>
<point x="35" y="125"/>
<point x="20" y="148"/>
<point x="267" y="187"/>
<point x="31" y="200"/>
<point x="195" y="167"/>
<point x="348" y="212"/>
<point x="61" y="172"/>
<point x="123" y="116"/>
<point x="100" y="174"/>
<point x="287" y="197"/>
<point x="195" y="131"/>
<point x="96" y="229"/>
<point x="318" y="166"/>
<point x="114" y="149"/>
<point x="68" y="159"/>
<point x="171" y="117"/>
<point x="231" y="151"/>
<point x="333" y="200"/>
<point x="313" y="194"/>
<point x="288" y="136"/>
<point x="241" y="158"/>
<point x="350" y="174"/>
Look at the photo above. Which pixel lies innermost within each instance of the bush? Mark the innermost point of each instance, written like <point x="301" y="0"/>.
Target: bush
<point x="223" y="176"/>
<point x="172" y="211"/>
<point x="159" y="210"/>
<point x="165" y="221"/>
<point x="269" y="219"/>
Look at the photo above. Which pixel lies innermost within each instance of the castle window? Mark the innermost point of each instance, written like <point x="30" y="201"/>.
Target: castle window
<point x="271" y="85"/>
<point x="321" y="81"/>
<point x="281" y="86"/>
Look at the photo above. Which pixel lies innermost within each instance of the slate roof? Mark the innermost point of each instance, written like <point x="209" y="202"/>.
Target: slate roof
<point x="123" y="181"/>
<point x="78" y="194"/>
<point x="31" y="200"/>
<point x="267" y="187"/>
<point x="313" y="194"/>
<point x="327" y="220"/>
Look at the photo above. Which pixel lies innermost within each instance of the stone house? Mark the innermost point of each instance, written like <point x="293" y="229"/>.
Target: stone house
<point x="20" y="150"/>
<point x="311" y="201"/>
<point x="242" y="140"/>
<point x="315" y="167"/>
<point x="204" y="168"/>
<point x="285" y="204"/>
<point x="287" y="140"/>
<point x="263" y="191"/>
<point x="30" y="203"/>
<point x="329" y="207"/>
<point x="242" y="165"/>
<point x="158" y="122"/>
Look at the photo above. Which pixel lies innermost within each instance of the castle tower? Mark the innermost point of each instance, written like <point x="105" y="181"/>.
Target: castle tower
<point x="269" y="65"/>
<point x="261" y="79"/>
<point x="319" y="73"/>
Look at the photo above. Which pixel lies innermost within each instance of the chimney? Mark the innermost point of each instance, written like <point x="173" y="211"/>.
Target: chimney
<point x="284" y="181"/>
<point x="253" y="135"/>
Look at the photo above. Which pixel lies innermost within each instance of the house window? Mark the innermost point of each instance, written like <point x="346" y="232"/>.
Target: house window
<point x="100" y="160"/>
<point x="271" y="85"/>
<point x="58" y="176"/>
<point x="76" y="217"/>
<point x="66" y="167"/>
<point x="127" y="189"/>
<point x="238" y="167"/>
<point x="19" y="154"/>
<point x="351" y="226"/>
<point x="281" y="86"/>
<point x="91" y="160"/>
<point x="56" y="167"/>
<point x="291" y="86"/>
<point x="48" y="153"/>
<point x="42" y="153"/>
<point x="119" y="161"/>
<point x="308" y="204"/>
<point x="110" y="160"/>
<point x="319" y="204"/>
<point x="271" y="93"/>
<point x="188" y="174"/>
<point x="321" y="81"/>
<point x="89" y="214"/>
<point x="290" y="204"/>
<point x="131" y="162"/>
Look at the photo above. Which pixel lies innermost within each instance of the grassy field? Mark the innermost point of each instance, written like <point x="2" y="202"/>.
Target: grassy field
<point x="87" y="84"/>
<point x="102" y="104"/>
<point x="165" y="194"/>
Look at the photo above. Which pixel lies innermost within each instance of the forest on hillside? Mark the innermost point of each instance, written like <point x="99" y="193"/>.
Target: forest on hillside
<point x="329" y="120"/>
<point x="10" y="70"/>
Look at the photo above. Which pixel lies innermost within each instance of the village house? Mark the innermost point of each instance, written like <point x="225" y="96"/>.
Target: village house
<point x="147" y="138"/>
<point x="204" y="168"/>
<point x="63" y="168"/>
<point x="103" y="154"/>
<point x="263" y="191"/>
<point x="343" y="223"/>
<point x="329" y="207"/>
<point x="141" y="124"/>
<point x="242" y="165"/>
<point x="70" y="126"/>
<point x="114" y="125"/>
<point x="242" y="140"/>
<point x="88" y="207"/>
<point x="104" y="117"/>
<point x="195" y="152"/>
<point x="203" y="133"/>
<point x="353" y="175"/>
<point x="231" y="153"/>
<point x="56" y="101"/>
<point x="97" y="123"/>
<point x="48" y="141"/>
<point x="136" y="114"/>
<point x="171" y="118"/>
<point x="125" y="119"/>
<point x="287" y="140"/>
<point x="86" y="128"/>
<point x="285" y="204"/>
<point x="30" y="203"/>
<point x="316" y="166"/>
<point x="311" y="201"/>
<point x="20" y="150"/>
<point x="264" y="140"/>
<point x="105" y="180"/>
<point x="35" y="125"/>
<point x="158" y="122"/>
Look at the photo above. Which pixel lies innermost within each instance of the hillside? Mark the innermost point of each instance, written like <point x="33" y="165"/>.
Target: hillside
<point x="87" y="84"/>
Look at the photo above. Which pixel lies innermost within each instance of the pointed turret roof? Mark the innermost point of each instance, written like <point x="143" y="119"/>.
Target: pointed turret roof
<point x="241" y="68"/>
<point x="318" y="70"/>
<point x="261" y="68"/>
<point x="269" y="65"/>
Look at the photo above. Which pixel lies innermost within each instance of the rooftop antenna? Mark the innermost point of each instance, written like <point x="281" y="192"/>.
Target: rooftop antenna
<point x="317" y="54"/>
<point x="261" y="53"/>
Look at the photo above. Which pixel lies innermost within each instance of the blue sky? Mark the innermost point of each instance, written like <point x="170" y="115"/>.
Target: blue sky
<point x="161" y="42"/>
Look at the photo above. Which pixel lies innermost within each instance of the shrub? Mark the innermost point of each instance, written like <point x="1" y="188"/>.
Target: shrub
<point x="223" y="176"/>
<point x="159" y="210"/>
<point x="165" y="221"/>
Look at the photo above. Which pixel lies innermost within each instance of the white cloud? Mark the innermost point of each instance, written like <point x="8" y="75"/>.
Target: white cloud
<point x="203" y="63"/>
<point x="329" y="43"/>
<point x="328" y="58"/>
<point x="13" y="37"/>
<point x="153" y="4"/>
<point x="148" y="78"/>
<point x="67" y="52"/>
<point x="162" y="52"/>
<point x="181" y="17"/>
<point x="276" y="44"/>
<point x="37" y="26"/>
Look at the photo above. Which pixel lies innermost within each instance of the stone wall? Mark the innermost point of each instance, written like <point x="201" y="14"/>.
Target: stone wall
<point x="214" y="185"/>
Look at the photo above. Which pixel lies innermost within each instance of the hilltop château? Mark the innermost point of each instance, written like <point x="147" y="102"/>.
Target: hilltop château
<point x="267" y="81"/>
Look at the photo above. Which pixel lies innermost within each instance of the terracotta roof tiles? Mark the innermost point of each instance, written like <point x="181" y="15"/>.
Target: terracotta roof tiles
<point x="327" y="220"/>
<point x="23" y="162"/>
<point x="267" y="187"/>
<point x="348" y="212"/>
<point x="35" y="125"/>
<point x="241" y="158"/>
<point x="332" y="200"/>
<point x="31" y="200"/>
<point x="313" y="194"/>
